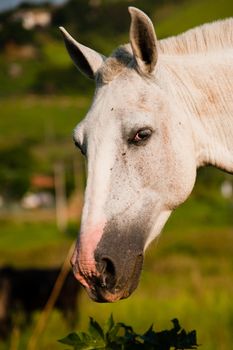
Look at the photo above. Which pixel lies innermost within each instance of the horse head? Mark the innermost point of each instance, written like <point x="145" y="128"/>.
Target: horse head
<point x="140" y="160"/>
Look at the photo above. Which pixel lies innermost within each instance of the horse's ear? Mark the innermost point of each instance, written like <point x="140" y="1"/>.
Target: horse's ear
<point x="143" y="40"/>
<point x="86" y="60"/>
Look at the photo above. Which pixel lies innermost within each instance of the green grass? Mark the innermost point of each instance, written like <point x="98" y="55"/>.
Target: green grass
<point x="56" y="53"/>
<point x="40" y="118"/>
<point x="24" y="243"/>
<point x="45" y="125"/>
<point x="20" y="84"/>
<point x="180" y="17"/>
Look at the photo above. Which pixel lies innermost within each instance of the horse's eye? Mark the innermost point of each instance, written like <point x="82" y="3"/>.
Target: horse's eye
<point x="141" y="135"/>
<point x="77" y="144"/>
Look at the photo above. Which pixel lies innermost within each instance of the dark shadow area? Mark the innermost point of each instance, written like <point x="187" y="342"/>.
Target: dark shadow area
<point x="24" y="291"/>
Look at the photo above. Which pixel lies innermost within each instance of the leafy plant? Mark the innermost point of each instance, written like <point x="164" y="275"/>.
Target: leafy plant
<point x="118" y="336"/>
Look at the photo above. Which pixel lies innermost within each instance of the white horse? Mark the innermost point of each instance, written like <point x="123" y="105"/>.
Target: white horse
<point x="161" y="110"/>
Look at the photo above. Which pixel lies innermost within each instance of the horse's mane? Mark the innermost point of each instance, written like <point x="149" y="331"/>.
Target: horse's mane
<point x="207" y="37"/>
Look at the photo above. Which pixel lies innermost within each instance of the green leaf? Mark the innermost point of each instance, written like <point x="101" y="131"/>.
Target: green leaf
<point x="71" y="339"/>
<point x="149" y="336"/>
<point x="112" y="334"/>
<point x="95" y="329"/>
<point x="109" y="324"/>
<point x="85" y="337"/>
<point x="176" y="325"/>
<point x="83" y="341"/>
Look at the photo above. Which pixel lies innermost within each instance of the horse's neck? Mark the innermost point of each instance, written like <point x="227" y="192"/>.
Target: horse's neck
<point x="203" y="87"/>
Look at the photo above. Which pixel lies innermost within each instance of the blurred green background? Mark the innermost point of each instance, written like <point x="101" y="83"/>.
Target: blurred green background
<point x="188" y="272"/>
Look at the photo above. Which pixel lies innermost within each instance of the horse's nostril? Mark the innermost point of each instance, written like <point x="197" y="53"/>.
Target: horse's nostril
<point x="109" y="267"/>
<point x="108" y="273"/>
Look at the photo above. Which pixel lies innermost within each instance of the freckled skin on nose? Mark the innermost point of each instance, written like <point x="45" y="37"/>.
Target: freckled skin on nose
<point x="83" y="260"/>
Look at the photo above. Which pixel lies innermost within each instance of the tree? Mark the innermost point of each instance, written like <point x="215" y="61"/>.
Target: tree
<point x="15" y="171"/>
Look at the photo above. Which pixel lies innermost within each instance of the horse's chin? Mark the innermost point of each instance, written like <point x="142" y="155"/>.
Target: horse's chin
<point x="102" y="296"/>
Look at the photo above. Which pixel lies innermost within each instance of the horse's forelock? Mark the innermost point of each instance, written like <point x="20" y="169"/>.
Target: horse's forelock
<point x="120" y="59"/>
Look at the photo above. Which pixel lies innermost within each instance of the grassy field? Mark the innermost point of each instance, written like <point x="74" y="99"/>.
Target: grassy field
<point x="176" y="18"/>
<point x="41" y="118"/>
